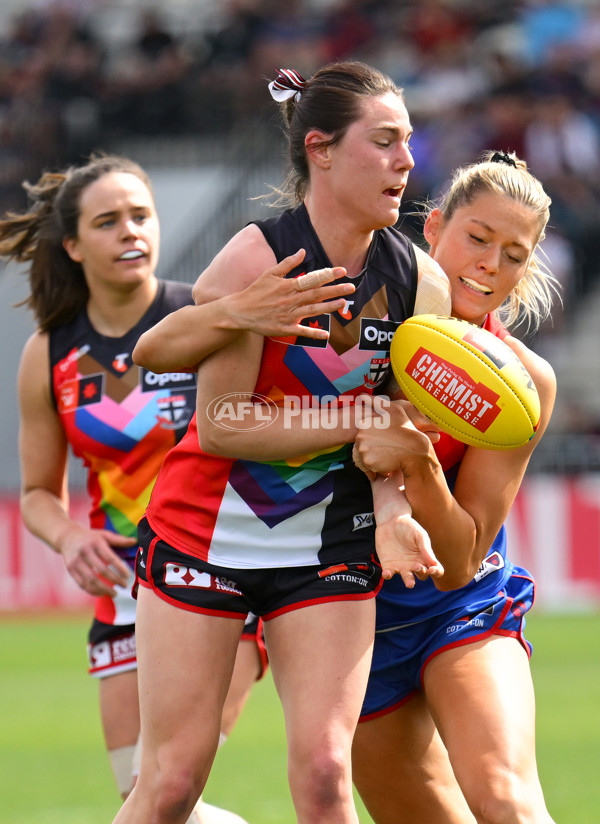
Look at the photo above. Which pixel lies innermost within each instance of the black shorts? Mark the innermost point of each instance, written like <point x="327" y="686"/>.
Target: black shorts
<point x="111" y="648"/>
<point x="195" y="585"/>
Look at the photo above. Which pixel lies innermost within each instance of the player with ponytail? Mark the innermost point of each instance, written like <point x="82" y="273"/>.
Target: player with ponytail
<point x="447" y="734"/>
<point x="90" y="239"/>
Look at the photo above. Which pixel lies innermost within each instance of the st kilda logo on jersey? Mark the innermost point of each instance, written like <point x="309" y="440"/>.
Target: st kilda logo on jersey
<point x="174" y="411"/>
<point x="176" y="404"/>
<point x="378" y="369"/>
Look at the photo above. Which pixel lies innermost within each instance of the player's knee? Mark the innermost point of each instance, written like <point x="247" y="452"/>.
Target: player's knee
<point x="175" y="793"/>
<point x="505" y="799"/>
<point x="171" y="781"/>
<point x="322" y="779"/>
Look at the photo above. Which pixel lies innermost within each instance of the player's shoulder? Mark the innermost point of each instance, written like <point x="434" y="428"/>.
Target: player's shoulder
<point x="34" y="362"/>
<point x="427" y="265"/>
<point x="538" y="367"/>
<point x="433" y="288"/>
<point x="236" y="266"/>
<point x="36" y="347"/>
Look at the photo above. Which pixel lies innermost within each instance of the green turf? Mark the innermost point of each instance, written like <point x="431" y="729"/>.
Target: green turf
<point x="566" y="673"/>
<point x="53" y="769"/>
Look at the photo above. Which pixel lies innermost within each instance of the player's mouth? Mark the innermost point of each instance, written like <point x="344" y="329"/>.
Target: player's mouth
<point x="132" y="254"/>
<point x="394" y="192"/>
<point x="476" y="287"/>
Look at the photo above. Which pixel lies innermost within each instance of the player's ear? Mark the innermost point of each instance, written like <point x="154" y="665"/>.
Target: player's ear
<point x="71" y="247"/>
<point x="432" y="227"/>
<point x="317" y="148"/>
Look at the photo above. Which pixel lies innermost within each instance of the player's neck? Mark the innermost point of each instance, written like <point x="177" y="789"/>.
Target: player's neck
<point x="114" y="313"/>
<point x="343" y="242"/>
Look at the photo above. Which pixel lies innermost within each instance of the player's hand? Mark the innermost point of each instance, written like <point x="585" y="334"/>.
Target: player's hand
<point x="404" y="549"/>
<point x="386" y="446"/>
<point x="91" y="561"/>
<point x="274" y="306"/>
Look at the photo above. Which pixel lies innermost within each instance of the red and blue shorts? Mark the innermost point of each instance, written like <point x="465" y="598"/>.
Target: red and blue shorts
<point x="401" y="653"/>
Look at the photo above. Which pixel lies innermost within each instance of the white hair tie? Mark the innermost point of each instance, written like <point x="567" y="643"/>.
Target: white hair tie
<point x="288" y="83"/>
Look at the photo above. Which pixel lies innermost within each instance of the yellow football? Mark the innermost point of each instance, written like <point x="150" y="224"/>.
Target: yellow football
<point x="466" y="380"/>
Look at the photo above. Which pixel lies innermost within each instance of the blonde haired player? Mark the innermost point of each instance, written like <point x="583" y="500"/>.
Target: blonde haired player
<point x="447" y="733"/>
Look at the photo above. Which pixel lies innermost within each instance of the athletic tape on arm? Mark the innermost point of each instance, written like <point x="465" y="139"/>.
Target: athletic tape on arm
<point x="433" y="294"/>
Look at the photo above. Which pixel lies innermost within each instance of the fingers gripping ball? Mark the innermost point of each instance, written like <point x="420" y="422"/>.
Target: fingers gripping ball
<point x="466" y="380"/>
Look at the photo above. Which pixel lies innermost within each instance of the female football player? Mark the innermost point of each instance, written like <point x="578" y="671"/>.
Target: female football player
<point x="450" y="700"/>
<point x="279" y="522"/>
<point x="91" y="239"/>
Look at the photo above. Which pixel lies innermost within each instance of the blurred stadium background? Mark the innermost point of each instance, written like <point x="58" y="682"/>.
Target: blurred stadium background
<point x="181" y="88"/>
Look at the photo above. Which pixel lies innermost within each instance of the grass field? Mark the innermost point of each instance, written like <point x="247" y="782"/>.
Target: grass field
<point x="53" y="769"/>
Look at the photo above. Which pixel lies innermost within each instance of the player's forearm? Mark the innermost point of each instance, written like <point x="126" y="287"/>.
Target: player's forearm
<point x="183" y="339"/>
<point x="389" y="498"/>
<point x="45" y="515"/>
<point x="281" y="439"/>
<point x="452" y="531"/>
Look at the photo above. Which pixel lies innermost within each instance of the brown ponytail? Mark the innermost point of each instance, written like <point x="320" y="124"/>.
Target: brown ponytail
<point x="58" y="290"/>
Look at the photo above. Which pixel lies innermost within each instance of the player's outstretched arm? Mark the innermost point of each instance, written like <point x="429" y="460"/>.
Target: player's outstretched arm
<point x="271" y="305"/>
<point x="463" y="522"/>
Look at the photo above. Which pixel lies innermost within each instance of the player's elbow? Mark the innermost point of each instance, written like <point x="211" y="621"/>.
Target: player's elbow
<point x="215" y="441"/>
<point x="144" y="353"/>
<point x="457" y="575"/>
<point x="451" y="580"/>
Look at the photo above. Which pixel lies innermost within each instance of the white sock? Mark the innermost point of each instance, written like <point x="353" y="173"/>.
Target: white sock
<point x="121" y="760"/>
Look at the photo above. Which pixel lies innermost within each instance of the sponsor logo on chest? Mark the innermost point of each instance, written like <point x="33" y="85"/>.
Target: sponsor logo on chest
<point x="376" y="334"/>
<point x="151" y="381"/>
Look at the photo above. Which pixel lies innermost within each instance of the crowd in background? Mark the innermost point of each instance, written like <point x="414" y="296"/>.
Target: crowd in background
<point x="519" y="75"/>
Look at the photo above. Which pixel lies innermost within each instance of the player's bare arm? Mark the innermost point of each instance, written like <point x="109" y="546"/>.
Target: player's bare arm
<point x="235" y="369"/>
<point x="266" y="303"/>
<point x="44" y="500"/>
